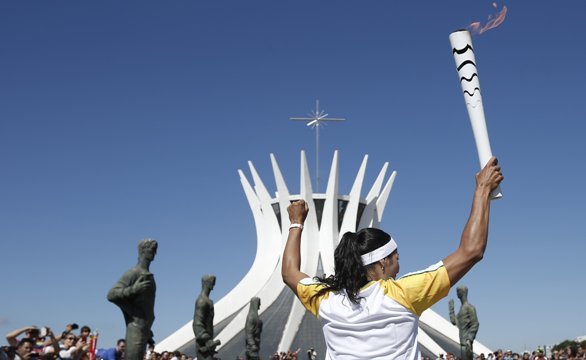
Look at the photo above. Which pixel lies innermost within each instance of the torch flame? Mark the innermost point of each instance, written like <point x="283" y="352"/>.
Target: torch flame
<point x="493" y="22"/>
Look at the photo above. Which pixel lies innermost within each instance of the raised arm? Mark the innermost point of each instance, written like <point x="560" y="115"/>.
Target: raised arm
<point x="11" y="337"/>
<point x="53" y="340"/>
<point x="291" y="262"/>
<point x="81" y="349"/>
<point x="475" y="234"/>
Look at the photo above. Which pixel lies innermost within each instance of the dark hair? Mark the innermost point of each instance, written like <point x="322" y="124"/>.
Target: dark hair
<point x="8" y="350"/>
<point x="120" y="341"/>
<point x="25" y="340"/>
<point x="85" y="328"/>
<point x="350" y="274"/>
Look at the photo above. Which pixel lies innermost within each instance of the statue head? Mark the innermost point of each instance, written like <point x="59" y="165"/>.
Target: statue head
<point x="147" y="248"/>
<point x="208" y="281"/>
<point x="462" y="292"/>
<point x="255" y="303"/>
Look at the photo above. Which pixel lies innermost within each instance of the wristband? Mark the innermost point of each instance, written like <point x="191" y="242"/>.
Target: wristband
<point x="300" y="226"/>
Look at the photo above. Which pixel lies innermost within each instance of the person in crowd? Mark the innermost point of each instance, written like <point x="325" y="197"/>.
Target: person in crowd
<point x="581" y="351"/>
<point x="149" y="355"/>
<point x="73" y="348"/>
<point x="84" y="333"/>
<point x="115" y="353"/>
<point x="30" y="332"/>
<point x="570" y="353"/>
<point x="7" y="352"/>
<point x="60" y="336"/>
<point x="365" y="313"/>
<point x="25" y="349"/>
<point x="51" y="350"/>
<point x="33" y="335"/>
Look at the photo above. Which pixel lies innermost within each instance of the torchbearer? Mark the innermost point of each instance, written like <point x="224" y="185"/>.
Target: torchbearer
<point x="461" y="42"/>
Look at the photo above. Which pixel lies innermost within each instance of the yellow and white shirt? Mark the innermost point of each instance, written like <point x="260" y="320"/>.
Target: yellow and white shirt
<point x="384" y="324"/>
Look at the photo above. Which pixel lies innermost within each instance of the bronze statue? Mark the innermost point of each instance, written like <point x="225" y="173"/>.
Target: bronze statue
<point x="253" y="329"/>
<point x="203" y="321"/>
<point x="467" y="322"/>
<point x="134" y="294"/>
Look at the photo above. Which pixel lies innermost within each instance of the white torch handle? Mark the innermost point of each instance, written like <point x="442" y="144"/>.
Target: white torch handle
<point x="461" y="42"/>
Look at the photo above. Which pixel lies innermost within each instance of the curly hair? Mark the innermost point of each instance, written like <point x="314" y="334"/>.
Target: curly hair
<point x="350" y="274"/>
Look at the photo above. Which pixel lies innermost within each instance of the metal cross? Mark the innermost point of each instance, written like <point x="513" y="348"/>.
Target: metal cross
<point x="317" y="117"/>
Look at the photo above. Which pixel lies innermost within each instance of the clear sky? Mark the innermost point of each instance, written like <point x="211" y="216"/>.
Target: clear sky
<point x="125" y="120"/>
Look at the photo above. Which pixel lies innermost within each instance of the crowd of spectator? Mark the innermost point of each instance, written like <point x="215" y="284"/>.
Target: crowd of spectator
<point x="34" y="343"/>
<point x="568" y="351"/>
<point x="76" y="343"/>
<point x="289" y="355"/>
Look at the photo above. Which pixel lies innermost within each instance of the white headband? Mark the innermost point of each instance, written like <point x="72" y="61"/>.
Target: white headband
<point x="380" y="253"/>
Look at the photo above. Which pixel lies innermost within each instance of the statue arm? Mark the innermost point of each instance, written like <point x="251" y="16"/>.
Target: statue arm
<point x="474" y="324"/>
<point x="257" y="332"/>
<point x="129" y="286"/>
<point x="452" y="313"/>
<point x="251" y="329"/>
<point x="199" y="324"/>
<point x="122" y="290"/>
<point x="250" y="337"/>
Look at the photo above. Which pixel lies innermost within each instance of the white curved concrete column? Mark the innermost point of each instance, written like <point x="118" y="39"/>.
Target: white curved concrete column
<point x="351" y="213"/>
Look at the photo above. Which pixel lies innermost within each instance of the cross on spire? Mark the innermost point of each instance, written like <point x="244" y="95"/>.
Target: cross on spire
<point x="317" y="117"/>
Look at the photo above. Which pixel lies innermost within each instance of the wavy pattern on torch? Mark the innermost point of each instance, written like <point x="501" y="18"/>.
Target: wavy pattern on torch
<point x="469" y="79"/>
<point x="466" y="63"/>
<point x="473" y="92"/>
<point x="463" y="50"/>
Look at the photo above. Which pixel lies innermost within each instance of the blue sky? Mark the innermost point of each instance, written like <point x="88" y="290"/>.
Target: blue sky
<point x="125" y="120"/>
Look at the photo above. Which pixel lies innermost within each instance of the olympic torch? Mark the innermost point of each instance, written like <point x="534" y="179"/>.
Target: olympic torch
<point x="461" y="42"/>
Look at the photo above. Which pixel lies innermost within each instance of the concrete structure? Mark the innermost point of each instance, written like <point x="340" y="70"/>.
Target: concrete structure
<point x="287" y="325"/>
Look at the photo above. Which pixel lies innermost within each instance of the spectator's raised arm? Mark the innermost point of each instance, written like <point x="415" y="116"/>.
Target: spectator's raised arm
<point x="11" y="336"/>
